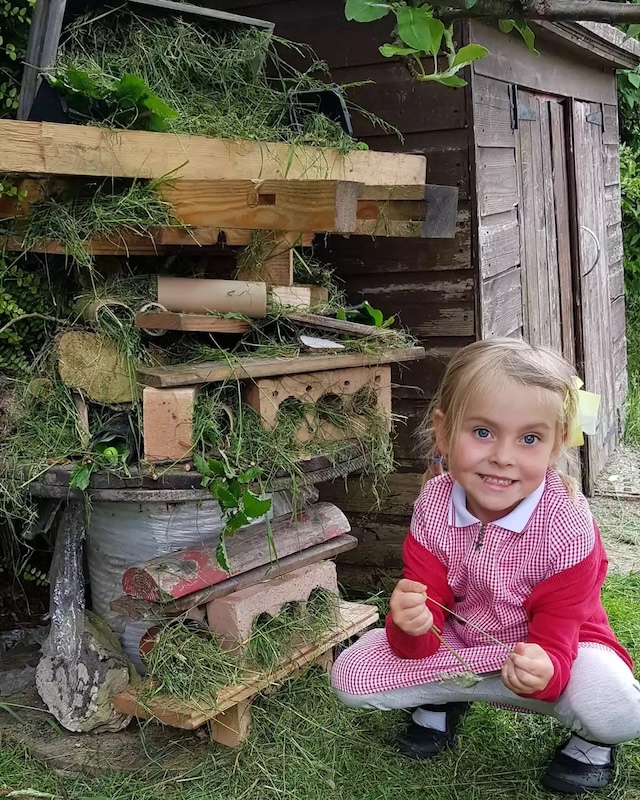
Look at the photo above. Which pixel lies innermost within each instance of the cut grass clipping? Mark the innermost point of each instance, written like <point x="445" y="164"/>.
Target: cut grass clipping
<point x="231" y="84"/>
<point x="193" y="666"/>
<point x="305" y="745"/>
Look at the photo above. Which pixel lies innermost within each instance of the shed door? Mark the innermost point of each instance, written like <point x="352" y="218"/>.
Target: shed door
<point x="593" y="272"/>
<point x="544" y="223"/>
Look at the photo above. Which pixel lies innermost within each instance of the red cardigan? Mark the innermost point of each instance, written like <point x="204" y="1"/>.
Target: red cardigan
<point x="562" y="611"/>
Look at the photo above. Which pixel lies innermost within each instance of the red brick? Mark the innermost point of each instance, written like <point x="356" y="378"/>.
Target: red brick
<point x="232" y="617"/>
<point x="167" y="416"/>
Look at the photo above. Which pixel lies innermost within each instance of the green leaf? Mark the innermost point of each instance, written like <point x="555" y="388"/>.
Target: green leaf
<point x="437" y="32"/>
<point x="223" y="495"/>
<point x="633" y="31"/>
<point x="250" y="475"/>
<point x="255" y="506"/>
<point x="634" y="79"/>
<point x="341" y="314"/>
<point x="527" y="34"/>
<point x="237" y="521"/>
<point x="376" y="315"/>
<point x="81" y="476"/>
<point x="468" y="54"/>
<point x="414" y="28"/>
<point x="202" y="465"/>
<point x="221" y="555"/>
<point x="451" y="80"/>
<point x="470" y="3"/>
<point x="391" y="50"/>
<point x="366" y="10"/>
<point x="506" y="25"/>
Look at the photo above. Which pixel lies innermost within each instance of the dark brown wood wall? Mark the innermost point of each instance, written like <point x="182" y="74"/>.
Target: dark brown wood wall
<point x="429" y="284"/>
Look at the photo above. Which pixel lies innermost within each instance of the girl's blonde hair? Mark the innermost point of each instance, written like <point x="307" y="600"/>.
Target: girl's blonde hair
<point x="489" y="366"/>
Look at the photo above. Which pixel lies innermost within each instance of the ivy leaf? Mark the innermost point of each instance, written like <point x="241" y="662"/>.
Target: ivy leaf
<point x="366" y="10"/>
<point x="468" y="54"/>
<point x="527" y="34"/>
<point x="250" y="475"/>
<point x="81" y="476"/>
<point x="223" y="495"/>
<point x="254" y="506"/>
<point x="221" y="555"/>
<point x="414" y="27"/>
<point x="237" y="521"/>
<point x="391" y="50"/>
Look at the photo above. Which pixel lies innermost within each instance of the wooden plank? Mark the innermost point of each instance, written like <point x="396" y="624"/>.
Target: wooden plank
<point x="299" y="296"/>
<point x="613" y="205"/>
<point x="337" y="325"/>
<point x="502" y="301"/>
<point x="282" y="205"/>
<point x="497" y="180"/>
<point x="611" y="133"/>
<point x="51" y="149"/>
<point x="207" y="323"/>
<point x="618" y="320"/>
<point x="272" y="258"/>
<point x="214" y="372"/>
<point x="563" y="230"/>
<point x="499" y="240"/>
<point x="616" y="280"/>
<point x="388" y="193"/>
<point x="44" y="34"/>
<point x="556" y="71"/>
<point x="140" y="702"/>
<point x="614" y="244"/>
<point x="187" y="571"/>
<point x="611" y="164"/>
<point x="134" y="608"/>
<point x="492" y="110"/>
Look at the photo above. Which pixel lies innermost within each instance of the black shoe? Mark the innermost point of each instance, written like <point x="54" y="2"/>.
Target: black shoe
<point x="569" y="776"/>
<point x="420" y="742"/>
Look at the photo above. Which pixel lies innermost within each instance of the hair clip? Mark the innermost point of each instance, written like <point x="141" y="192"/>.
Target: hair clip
<point x="585" y="420"/>
<point x="437" y="459"/>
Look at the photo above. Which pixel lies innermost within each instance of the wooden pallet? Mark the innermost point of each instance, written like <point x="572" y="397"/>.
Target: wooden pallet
<point x="139" y="701"/>
<point x="217" y="372"/>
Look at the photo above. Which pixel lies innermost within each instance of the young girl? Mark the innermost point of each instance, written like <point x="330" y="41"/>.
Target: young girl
<point x="503" y="565"/>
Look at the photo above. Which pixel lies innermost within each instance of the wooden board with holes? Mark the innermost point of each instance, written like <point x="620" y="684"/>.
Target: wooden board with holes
<point x="139" y="701"/>
<point x="206" y="323"/>
<point x="215" y="372"/>
<point x="46" y="148"/>
<point x="284" y="205"/>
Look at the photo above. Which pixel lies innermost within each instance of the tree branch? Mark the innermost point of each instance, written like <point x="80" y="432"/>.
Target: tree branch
<point x="549" y="10"/>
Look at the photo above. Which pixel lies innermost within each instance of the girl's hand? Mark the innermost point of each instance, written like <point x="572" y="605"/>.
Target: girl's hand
<point x="408" y="608"/>
<point x="527" y="670"/>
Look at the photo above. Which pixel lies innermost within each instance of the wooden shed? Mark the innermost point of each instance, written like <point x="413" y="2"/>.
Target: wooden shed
<point x="532" y="142"/>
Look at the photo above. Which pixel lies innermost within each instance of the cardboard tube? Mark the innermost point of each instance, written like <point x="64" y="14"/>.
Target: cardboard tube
<point x="202" y="296"/>
<point x="91" y="308"/>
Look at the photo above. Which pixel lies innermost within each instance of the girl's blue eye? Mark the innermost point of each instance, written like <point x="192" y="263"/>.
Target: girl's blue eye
<point x="482" y="433"/>
<point x="530" y="438"/>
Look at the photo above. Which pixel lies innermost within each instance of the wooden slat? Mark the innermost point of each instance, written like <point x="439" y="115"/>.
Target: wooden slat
<point x="613" y="205"/>
<point x="616" y="280"/>
<point x="187" y="571"/>
<point x="611" y="164"/>
<point x="143" y="609"/>
<point x="213" y="372"/>
<point x="386" y="193"/>
<point x="207" y="323"/>
<point x="497" y="180"/>
<point x="138" y="701"/>
<point x="613" y="250"/>
<point x="337" y="325"/>
<point x="499" y="237"/>
<point x="44" y="148"/>
<point x="610" y="134"/>
<point x="618" y="321"/>
<point x="502" y="300"/>
<point x="492" y="113"/>
<point x="282" y="205"/>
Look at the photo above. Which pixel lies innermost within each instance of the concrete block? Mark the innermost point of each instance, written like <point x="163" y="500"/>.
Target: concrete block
<point x="232" y="617"/>
<point x="167" y="417"/>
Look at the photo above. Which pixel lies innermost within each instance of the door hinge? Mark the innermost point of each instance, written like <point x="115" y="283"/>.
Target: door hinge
<point x="596" y="118"/>
<point x="520" y="111"/>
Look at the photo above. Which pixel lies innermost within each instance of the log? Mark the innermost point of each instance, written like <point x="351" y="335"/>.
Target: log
<point x="216" y="372"/>
<point x="140" y="702"/>
<point x="205" y="323"/>
<point x="91" y="363"/>
<point x="134" y="608"/>
<point x="187" y="571"/>
<point x="46" y="148"/>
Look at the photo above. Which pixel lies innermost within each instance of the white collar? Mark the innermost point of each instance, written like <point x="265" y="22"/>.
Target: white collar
<point x="516" y="521"/>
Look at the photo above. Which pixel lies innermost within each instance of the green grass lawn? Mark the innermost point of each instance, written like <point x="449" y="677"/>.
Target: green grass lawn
<point x="308" y="747"/>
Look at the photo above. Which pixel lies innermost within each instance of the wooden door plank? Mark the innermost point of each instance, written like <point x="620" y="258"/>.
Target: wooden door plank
<point x="562" y="216"/>
<point x="240" y="369"/>
<point x="550" y="275"/>
<point x="45" y="148"/>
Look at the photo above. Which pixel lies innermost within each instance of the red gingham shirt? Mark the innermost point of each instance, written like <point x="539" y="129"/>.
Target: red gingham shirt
<point x="536" y="577"/>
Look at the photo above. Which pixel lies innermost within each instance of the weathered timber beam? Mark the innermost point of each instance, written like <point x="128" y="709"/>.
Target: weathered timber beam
<point x="549" y="10"/>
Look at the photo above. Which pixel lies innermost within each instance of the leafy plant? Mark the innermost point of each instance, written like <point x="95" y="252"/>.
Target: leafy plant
<point x="112" y="455"/>
<point x="125" y="103"/>
<point x="420" y="35"/>
<point x="366" y="314"/>
<point x="15" y="19"/>
<point x="630" y="183"/>
<point x="230" y="487"/>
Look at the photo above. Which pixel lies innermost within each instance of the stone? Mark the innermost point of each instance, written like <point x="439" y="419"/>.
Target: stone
<point x="232" y="616"/>
<point x="81" y="699"/>
<point x="167" y="416"/>
<point x="19" y="656"/>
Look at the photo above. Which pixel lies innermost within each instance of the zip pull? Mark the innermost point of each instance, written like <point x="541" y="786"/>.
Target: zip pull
<point x="480" y="537"/>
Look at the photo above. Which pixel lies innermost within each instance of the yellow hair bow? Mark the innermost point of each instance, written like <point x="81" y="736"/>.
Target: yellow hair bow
<point x="586" y="417"/>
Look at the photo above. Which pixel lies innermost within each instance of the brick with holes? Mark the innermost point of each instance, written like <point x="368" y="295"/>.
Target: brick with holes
<point x="232" y="616"/>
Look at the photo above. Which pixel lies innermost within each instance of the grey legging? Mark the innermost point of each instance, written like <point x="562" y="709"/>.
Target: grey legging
<point x="601" y="702"/>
